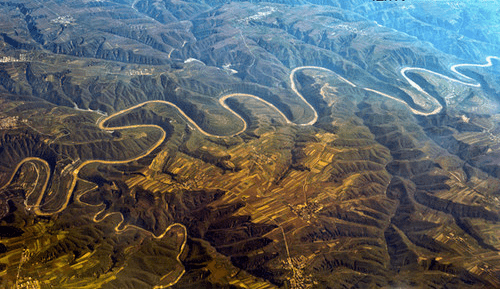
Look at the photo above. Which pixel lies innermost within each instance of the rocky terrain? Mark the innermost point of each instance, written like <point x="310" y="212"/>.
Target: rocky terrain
<point x="249" y="144"/>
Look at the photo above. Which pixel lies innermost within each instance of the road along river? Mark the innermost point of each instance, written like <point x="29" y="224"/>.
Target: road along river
<point x="222" y="102"/>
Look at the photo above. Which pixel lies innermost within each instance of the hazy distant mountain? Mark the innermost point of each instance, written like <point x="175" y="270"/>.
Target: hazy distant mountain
<point x="249" y="144"/>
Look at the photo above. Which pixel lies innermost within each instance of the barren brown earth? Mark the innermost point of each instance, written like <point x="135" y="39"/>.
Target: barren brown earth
<point x="278" y="144"/>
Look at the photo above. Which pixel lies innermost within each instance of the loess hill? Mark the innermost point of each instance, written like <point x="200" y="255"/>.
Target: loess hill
<point x="237" y="144"/>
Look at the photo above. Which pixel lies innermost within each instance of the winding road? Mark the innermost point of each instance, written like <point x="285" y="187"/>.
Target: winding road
<point x="222" y="101"/>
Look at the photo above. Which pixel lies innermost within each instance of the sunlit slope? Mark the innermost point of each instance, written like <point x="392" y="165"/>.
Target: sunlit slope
<point x="272" y="144"/>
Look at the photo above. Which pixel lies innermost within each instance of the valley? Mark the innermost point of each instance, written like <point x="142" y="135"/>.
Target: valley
<point x="205" y="144"/>
<point x="101" y="122"/>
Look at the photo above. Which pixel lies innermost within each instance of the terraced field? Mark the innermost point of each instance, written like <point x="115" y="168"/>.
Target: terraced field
<point x="199" y="144"/>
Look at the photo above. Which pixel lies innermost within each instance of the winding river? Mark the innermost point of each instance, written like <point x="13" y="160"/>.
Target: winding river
<point x="222" y="101"/>
<point x="101" y="123"/>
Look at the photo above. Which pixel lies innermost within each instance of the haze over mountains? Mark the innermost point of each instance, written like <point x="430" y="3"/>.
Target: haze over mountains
<point x="249" y="144"/>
